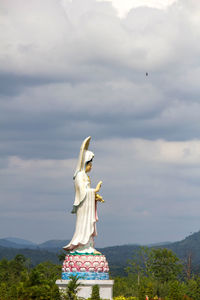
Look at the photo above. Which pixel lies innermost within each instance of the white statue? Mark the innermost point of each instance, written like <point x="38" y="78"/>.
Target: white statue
<point x="85" y="204"/>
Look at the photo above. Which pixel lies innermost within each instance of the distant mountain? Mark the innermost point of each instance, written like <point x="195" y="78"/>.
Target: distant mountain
<point x="190" y="245"/>
<point x="36" y="256"/>
<point x="20" y="241"/>
<point x="10" y="244"/>
<point x="158" y="244"/>
<point x="53" y="245"/>
<point x="117" y="256"/>
<point x="17" y="243"/>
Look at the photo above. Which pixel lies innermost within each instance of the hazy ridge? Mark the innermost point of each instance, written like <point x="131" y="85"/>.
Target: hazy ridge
<point x="117" y="256"/>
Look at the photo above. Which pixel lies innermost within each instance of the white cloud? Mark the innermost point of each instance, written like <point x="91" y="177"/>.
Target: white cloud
<point x="183" y="153"/>
<point x="72" y="40"/>
<point x="70" y="69"/>
<point x="124" y="6"/>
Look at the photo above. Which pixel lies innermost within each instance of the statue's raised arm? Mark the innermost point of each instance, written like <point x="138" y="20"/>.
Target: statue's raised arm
<point x="85" y="204"/>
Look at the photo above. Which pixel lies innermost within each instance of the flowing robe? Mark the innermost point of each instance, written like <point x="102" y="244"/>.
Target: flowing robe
<point x="86" y="214"/>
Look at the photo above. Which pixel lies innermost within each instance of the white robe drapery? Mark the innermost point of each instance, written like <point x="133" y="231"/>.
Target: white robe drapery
<point x="86" y="215"/>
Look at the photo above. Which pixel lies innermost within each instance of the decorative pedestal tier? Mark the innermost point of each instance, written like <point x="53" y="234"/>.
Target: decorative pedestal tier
<point x="85" y="266"/>
<point x="91" y="269"/>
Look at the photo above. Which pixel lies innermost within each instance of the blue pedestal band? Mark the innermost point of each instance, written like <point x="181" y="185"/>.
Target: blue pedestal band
<point x="86" y="275"/>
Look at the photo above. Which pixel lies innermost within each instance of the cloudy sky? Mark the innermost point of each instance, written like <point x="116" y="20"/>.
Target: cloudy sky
<point x="70" y="69"/>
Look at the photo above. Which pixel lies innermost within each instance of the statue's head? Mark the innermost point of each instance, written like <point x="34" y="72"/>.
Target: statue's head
<point x="88" y="160"/>
<point x="85" y="157"/>
<point x="88" y="166"/>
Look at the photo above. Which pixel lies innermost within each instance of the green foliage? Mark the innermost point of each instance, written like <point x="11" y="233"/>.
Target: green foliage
<point x="125" y="286"/>
<point x="156" y="273"/>
<point x="193" y="288"/>
<point x="3" y="291"/>
<point x="13" y="271"/>
<point x="18" y="282"/>
<point x="55" y="295"/>
<point x="176" y="290"/>
<point x="171" y="290"/>
<point x="152" y="272"/>
<point x="146" y="287"/>
<point x="138" y="265"/>
<point x="48" y="271"/>
<point x="61" y="256"/>
<point x="36" y="256"/>
<point x="13" y="293"/>
<point x="72" y="289"/>
<point x="164" y="265"/>
<point x="95" y="292"/>
<point x="161" y="264"/>
<point x="124" y="298"/>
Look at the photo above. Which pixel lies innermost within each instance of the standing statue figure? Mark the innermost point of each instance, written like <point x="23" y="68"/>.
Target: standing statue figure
<point x="85" y="204"/>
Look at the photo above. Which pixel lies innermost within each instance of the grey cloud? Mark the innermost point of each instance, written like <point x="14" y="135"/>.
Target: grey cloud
<point x="150" y="190"/>
<point x="73" y="69"/>
<point x="12" y="84"/>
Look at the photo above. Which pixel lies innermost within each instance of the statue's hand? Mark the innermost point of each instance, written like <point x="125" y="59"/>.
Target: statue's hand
<point x="99" y="198"/>
<point x="98" y="186"/>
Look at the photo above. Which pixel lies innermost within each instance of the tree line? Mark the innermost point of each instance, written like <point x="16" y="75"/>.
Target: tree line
<point x="20" y="282"/>
<point x="158" y="274"/>
<point x="151" y="274"/>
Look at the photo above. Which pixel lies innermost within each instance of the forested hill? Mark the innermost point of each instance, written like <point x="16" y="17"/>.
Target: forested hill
<point x="117" y="256"/>
<point x="189" y="246"/>
<point x="36" y="256"/>
<point x="53" y="245"/>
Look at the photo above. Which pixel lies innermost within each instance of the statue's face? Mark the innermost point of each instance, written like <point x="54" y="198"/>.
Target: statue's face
<point x="88" y="167"/>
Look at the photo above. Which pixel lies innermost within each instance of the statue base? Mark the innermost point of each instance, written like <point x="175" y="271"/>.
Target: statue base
<point x="86" y="266"/>
<point x="91" y="269"/>
<point x="85" y="289"/>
